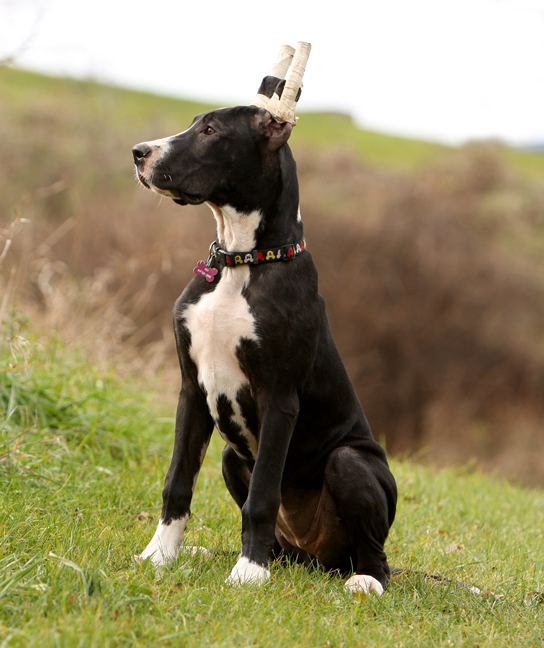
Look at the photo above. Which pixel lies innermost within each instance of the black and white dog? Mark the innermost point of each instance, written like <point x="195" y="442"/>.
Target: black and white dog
<point x="259" y="363"/>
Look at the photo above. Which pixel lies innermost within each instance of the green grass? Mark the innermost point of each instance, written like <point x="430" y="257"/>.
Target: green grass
<point x="335" y="130"/>
<point x="153" y="116"/>
<point x="82" y="459"/>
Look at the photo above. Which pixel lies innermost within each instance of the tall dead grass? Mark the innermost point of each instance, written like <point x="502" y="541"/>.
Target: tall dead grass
<point x="439" y="319"/>
<point x="434" y="281"/>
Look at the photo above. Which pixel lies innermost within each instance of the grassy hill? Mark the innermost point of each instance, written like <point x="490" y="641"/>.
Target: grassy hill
<point x="431" y="259"/>
<point x="145" y="111"/>
<point x="431" y="262"/>
<point x="83" y="454"/>
<point x="22" y="88"/>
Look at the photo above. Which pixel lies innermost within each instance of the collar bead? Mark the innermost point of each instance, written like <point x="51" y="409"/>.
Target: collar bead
<point x="254" y="257"/>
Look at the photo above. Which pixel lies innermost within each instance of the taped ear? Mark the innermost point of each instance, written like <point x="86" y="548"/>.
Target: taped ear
<point x="280" y="90"/>
<point x="277" y="134"/>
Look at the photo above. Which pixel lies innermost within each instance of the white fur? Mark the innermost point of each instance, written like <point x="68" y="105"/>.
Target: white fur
<point x="362" y="584"/>
<point x="246" y="571"/>
<point x="165" y="544"/>
<point x="235" y="231"/>
<point x="160" y="149"/>
<point x="163" y="192"/>
<point x="221" y="318"/>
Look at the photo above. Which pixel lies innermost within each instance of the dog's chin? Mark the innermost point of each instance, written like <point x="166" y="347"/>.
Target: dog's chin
<point x="163" y="192"/>
<point x="179" y="197"/>
<point x="188" y="199"/>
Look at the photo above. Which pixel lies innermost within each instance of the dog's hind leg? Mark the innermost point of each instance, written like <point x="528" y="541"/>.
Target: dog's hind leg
<point x="365" y="494"/>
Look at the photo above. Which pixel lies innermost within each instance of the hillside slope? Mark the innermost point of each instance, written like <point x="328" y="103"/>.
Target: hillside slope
<point x="151" y="113"/>
<point x="20" y="88"/>
<point x="80" y="483"/>
<point x="431" y="259"/>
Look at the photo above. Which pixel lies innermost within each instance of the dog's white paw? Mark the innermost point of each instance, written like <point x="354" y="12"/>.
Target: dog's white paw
<point x="165" y="544"/>
<point x="157" y="554"/>
<point x="160" y="558"/>
<point x="361" y="584"/>
<point x="246" y="571"/>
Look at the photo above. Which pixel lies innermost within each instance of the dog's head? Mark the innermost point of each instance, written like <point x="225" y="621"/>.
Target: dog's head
<point x="223" y="151"/>
<point x="230" y="154"/>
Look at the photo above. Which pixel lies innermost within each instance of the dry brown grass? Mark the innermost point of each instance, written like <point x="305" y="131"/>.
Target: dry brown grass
<point x="433" y="280"/>
<point x="440" y="324"/>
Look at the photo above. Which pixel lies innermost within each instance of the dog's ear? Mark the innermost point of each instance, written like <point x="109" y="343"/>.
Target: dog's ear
<point x="275" y="135"/>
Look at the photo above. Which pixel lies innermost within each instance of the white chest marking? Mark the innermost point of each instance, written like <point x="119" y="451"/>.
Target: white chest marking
<point x="217" y="324"/>
<point x="221" y="319"/>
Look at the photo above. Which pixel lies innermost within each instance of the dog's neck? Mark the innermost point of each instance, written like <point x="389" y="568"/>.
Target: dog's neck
<point x="236" y="230"/>
<point x="275" y="222"/>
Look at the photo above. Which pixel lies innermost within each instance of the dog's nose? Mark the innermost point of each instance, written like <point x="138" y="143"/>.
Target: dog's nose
<point x="141" y="151"/>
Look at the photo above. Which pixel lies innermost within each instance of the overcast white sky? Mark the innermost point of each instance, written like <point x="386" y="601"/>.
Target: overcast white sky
<point x="447" y="70"/>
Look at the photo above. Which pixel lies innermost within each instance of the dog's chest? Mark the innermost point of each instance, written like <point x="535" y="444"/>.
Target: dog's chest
<point x="217" y="324"/>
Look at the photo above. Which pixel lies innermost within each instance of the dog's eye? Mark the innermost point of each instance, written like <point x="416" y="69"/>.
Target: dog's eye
<point x="209" y="130"/>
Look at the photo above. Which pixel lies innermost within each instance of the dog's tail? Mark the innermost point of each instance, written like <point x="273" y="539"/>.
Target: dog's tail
<point x="280" y="90"/>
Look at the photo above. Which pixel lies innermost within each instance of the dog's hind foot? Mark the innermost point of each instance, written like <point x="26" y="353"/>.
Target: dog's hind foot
<point x="246" y="571"/>
<point x="360" y="584"/>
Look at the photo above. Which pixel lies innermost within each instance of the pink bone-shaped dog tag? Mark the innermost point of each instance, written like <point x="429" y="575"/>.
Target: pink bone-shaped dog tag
<point x="203" y="269"/>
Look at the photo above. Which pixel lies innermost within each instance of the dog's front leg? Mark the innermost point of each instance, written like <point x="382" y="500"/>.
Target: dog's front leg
<point x="194" y="427"/>
<point x="260" y="510"/>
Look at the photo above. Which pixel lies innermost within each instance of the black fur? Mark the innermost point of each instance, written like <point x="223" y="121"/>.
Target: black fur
<point x="316" y="454"/>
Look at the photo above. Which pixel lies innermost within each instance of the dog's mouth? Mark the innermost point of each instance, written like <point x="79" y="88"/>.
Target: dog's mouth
<point x="179" y="197"/>
<point x="143" y="180"/>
